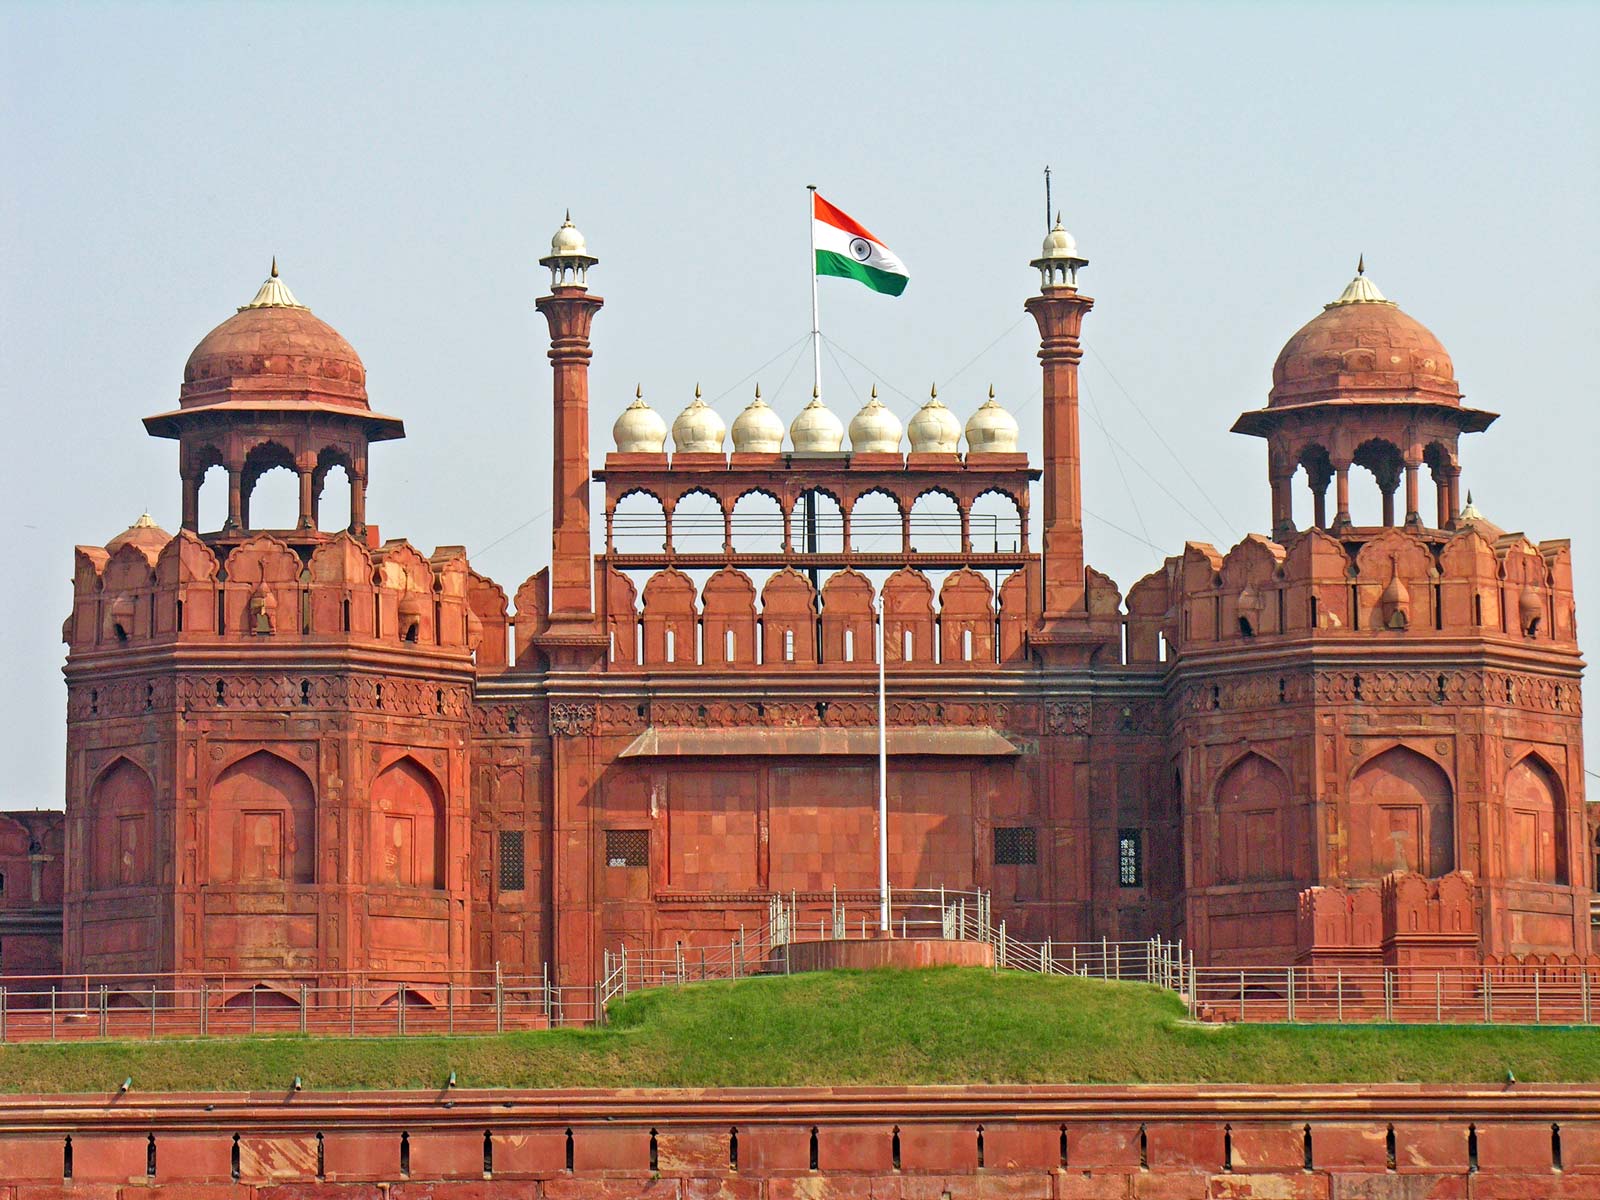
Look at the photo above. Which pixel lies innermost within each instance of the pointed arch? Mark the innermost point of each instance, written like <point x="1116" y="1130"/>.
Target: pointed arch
<point x="261" y="823"/>
<point x="1401" y="816"/>
<point x="408" y="826"/>
<point x="122" y="804"/>
<point x="1536" y="823"/>
<point x="1254" y="821"/>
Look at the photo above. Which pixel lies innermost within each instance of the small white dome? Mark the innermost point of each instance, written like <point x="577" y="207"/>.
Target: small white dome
<point x="1058" y="243"/>
<point x="816" y="430"/>
<point x="567" y="241"/>
<point x="875" y="429"/>
<point x="934" y="429"/>
<point x="757" y="430"/>
<point x="991" y="430"/>
<point x="698" y="429"/>
<point x="640" y="429"/>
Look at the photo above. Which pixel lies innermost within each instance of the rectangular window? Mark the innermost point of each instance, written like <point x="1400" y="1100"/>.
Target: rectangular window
<point x="905" y="646"/>
<point x="849" y="645"/>
<point x="672" y="646"/>
<point x="513" y="864"/>
<point x="788" y="645"/>
<point x="1130" y="859"/>
<point x="1016" y="846"/>
<point x="627" y="847"/>
<point x="727" y="645"/>
<point x="966" y="644"/>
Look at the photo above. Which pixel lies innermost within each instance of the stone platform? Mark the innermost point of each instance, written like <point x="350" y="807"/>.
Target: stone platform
<point x="867" y="953"/>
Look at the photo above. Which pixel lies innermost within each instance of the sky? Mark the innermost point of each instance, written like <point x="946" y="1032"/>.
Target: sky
<point x="1222" y="167"/>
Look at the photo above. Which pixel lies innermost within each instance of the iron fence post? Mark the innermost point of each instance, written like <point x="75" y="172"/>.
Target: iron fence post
<point x="1583" y="984"/>
<point x="500" y="998"/>
<point x="1241" y="995"/>
<point x="1438" y="998"/>
<point x="2" y="1012"/>
<point x="1488" y="998"/>
<point x="52" y="1012"/>
<point x="1388" y="997"/>
<point x="1536" y="1014"/>
<point x="1338" y="991"/>
<point x="1291" y="995"/>
<point x="104" y="1004"/>
<point x="205" y="1007"/>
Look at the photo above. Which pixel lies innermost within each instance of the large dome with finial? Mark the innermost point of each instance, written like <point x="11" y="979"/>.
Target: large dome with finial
<point x="757" y="430"/>
<point x="816" y="430"/>
<point x="934" y="429"/>
<point x="875" y="429"/>
<point x="698" y="429"/>
<point x="274" y="344"/>
<point x="640" y="429"/>
<point x="1361" y="346"/>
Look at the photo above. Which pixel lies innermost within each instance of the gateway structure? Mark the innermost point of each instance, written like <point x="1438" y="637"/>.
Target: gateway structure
<point x="310" y="751"/>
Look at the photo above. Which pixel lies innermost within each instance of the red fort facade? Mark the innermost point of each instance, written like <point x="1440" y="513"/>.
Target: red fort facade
<point x="306" y="751"/>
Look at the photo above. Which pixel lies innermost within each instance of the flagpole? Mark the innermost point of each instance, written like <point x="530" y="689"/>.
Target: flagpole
<point x="883" y="776"/>
<point x="816" y="325"/>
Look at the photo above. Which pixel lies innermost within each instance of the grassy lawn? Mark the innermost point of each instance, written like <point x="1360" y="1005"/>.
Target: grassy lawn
<point x="878" y="1027"/>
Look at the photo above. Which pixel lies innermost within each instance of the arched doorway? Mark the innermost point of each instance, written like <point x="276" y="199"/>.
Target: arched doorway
<point x="408" y="827"/>
<point x="1253" y="825"/>
<point x="262" y="823"/>
<point x="120" y="849"/>
<point x="1401" y="817"/>
<point x="1536" y="827"/>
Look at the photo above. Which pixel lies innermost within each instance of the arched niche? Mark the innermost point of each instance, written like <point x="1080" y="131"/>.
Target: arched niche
<point x="121" y="853"/>
<point x="408" y="827"/>
<point x="262" y="822"/>
<point x="757" y="523"/>
<point x="1253" y="822"/>
<point x="638" y="524"/>
<point x="1401" y="816"/>
<point x="995" y="523"/>
<point x="935" y="523"/>
<point x="269" y="488"/>
<point x="1536" y="825"/>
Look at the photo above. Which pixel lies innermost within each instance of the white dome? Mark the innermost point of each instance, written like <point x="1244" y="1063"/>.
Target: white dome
<point x="698" y="429"/>
<point x="934" y="429"/>
<point x="757" y="430"/>
<point x="875" y="429"/>
<point x="991" y="430"/>
<point x="640" y="429"/>
<point x="816" y="430"/>
<point x="1058" y="243"/>
<point x="567" y="241"/>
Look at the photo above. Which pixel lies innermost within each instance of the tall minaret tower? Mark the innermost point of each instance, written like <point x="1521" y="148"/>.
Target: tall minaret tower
<point x="1059" y="309"/>
<point x="572" y="636"/>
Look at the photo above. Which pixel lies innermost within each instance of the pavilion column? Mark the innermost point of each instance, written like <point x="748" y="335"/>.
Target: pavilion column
<point x="1319" y="503"/>
<point x="1341" y="491"/>
<point x="1413" y="516"/>
<point x="308" y="516"/>
<point x="1453" y="494"/>
<point x="358" y="503"/>
<point x="1282" y="506"/>
<point x="235" y="499"/>
<point x="1388" y="507"/>
<point x="191" y="502"/>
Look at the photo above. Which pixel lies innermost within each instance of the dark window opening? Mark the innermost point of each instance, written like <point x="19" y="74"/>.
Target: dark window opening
<point x="655" y="1158"/>
<point x="1227" y="1147"/>
<point x="733" y="1149"/>
<point x="66" y="1158"/>
<point x="813" y="1159"/>
<point x="1305" y="1148"/>
<point x="980" y="1147"/>
<point x="1016" y="846"/>
<point x="1472" y="1148"/>
<point x="305" y="691"/>
<point x="513" y="865"/>
<point x="233" y="1158"/>
<point x="1555" y="1147"/>
<point x="627" y="847"/>
<point x="150" y="1156"/>
<point x="1245" y="628"/>
<point x="1388" y="1149"/>
<point x="894" y="1148"/>
<point x="405" y="1154"/>
<point x="1063" y="1147"/>
<point x="569" y="1149"/>
<point x="1130" y="859"/>
<point x="321" y="1159"/>
<point x="488" y="1153"/>
<point x="1144" y="1150"/>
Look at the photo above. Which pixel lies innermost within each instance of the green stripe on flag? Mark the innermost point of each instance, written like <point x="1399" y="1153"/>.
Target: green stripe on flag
<point x="829" y="263"/>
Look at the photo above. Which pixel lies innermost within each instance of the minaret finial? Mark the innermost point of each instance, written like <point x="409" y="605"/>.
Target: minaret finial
<point x="697" y="391"/>
<point x="569" y="216"/>
<point x="874" y="391"/>
<point x="1361" y="264"/>
<point x="274" y="266"/>
<point x="816" y="392"/>
<point x="933" y="391"/>
<point x="758" y="391"/>
<point x="638" y="391"/>
<point x="991" y="391"/>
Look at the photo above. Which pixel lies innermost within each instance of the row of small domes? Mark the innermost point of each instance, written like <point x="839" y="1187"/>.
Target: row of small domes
<point x="759" y="430"/>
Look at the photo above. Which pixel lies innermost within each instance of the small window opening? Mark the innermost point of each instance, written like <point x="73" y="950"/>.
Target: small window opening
<point x="1216" y="696"/>
<point x="1533" y="627"/>
<point x="728" y="645"/>
<point x="94" y="700"/>
<point x="1227" y="1147"/>
<point x="150" y="1156"/>
<point x="569" y="1149"/>
<point x="1144" y="1149"/>
<point x="377" y="615"/>
<point x="966" y="644"/>
<point x="222" y="612"/>
<point x="321" y="1156"/>
<point x="813" y="1159"/>
<point x="1245" y="628"/>
<point x="1472" y="1149"/>
<point x="1063" y="1147"/>
<point x="378" y="693"/>
<point x="66" y="1158"/>
<point x="788" y="645"/>
<point x="1555" y="1147"/>
<point x="1130" y="859"/>
<point x="627" y="847"/>
<point x="305" y="691"/>
<point x="1438" y="606"/>
<point x="1016" y="846"/>
<point x="733" y="1149"/>
<point x="1306" y="1161"/>
<point x="1388" y="1149"/>
<point x="122" y="634"/>
<point x="438" y="701"/>
<point x="1477" y="608"/>
<point x="672" y="645"/>
<point x="513" y="861"/>
<point x="905" y="645"/>
<point x="1313" y="612"/>
<point x="222" y="697"/>
<point x="849" y="645"/>
<point x="405" y="1154"/>
<point x="1283" y="691"/>
<point x="1356" y="684"/>
<point x="233" y="1159"/>
<point x="180" y="616"/>
<point x="488" y="1153"/>
<point x="980" y="1147"/>
<point x="149" y="695"/>
<point x="655" y="1156"/>
<point x="894" y="1148"/>
<point x="346" y="614"/>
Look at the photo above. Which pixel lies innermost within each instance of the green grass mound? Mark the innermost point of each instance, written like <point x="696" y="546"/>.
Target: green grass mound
<point x="945" y="1026"/>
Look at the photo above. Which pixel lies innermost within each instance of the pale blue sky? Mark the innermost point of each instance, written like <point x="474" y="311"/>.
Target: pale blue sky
<point x="1221" y="167"/>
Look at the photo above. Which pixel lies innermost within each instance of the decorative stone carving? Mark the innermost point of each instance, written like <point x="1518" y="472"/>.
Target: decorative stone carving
<point x="571" y="719"/>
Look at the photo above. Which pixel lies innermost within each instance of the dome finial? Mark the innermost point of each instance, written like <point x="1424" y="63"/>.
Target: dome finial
<point x="273" y="292"/>
<point x="274" y="274"/>
<point x="933" y="391"/>
<point x="991" y="391"/>
<point x="697" y="391"/>
<point x="638" y="391"/>
<point x="874" y="391"/>
<point x="1361" y="264"/>
<point x="758" y="390"/>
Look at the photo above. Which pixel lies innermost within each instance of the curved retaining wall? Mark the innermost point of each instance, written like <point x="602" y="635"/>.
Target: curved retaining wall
<point x="983" y="1143"/>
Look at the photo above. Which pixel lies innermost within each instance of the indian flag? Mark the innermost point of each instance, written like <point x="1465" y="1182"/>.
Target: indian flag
<point x="845" y="248"/>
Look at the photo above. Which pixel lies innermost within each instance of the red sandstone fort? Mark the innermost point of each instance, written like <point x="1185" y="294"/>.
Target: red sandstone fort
<point x="302" y="752"/>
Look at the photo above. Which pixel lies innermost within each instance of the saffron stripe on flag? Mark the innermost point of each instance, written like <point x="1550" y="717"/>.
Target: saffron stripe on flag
<point x="827" y="212"/>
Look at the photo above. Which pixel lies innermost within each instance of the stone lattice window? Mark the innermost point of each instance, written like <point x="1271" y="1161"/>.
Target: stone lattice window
<point x="513" y="864"/>
<point x="1130" y="858"/>
<point x="1016" y="846"/>
<point x="627" y="847"/>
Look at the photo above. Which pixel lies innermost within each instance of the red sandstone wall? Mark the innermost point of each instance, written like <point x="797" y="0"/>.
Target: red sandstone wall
<point x="877" y="1144"/>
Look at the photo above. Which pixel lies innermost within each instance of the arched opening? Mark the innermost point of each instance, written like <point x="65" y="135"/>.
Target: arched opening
<point x="1401" y="816"/>
<point x="1536" y="825"/>
<point x="330" y="492"/>
<point x="639" y="525"/>
<point x="935" y="524"/>
<point x="1383" y="461"/>
<point x="269" y="489"/>
<point x="408" y="827"/>
<point x="875" y="524"/>
<point x="123" y="828"/>
<point x="1444" y="473"/>
<point x="262" y="823"/>
<point x="211" y="498"/>
<point x="1315" y="462"/>
<point x="757" y="524"/>
<point x="996" y="524"/>
<point x="817" y="524"/>
<point x="698" y="525"/>
<point x="1253" y="822"/>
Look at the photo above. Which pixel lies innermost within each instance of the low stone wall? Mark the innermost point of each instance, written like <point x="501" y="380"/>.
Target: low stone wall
<point x="887" y="952"/>
<point x="982" y="1143"/>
